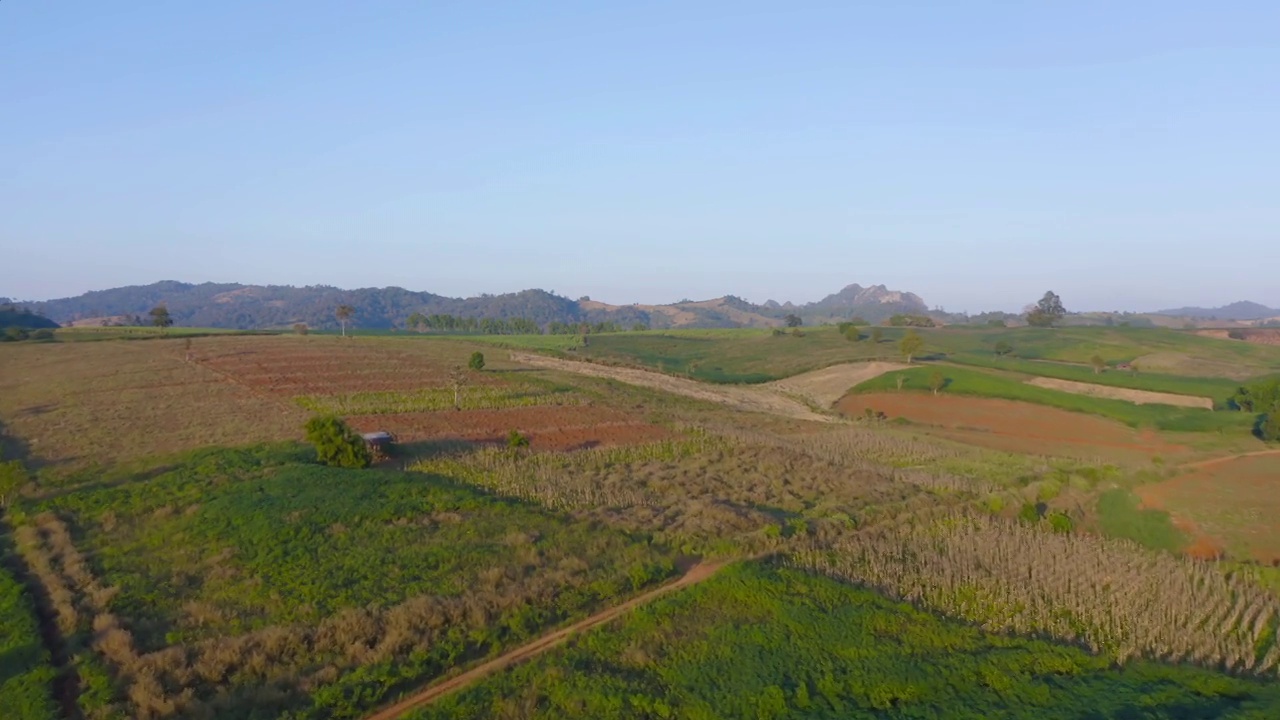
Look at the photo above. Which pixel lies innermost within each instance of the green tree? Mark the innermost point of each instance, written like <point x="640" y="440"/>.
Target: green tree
<point x="457" y="380"/>
<point x="1269" y="425"/>
<point x="911" y="345"/>
<point x="1098" y="364"/>
<point x="1003" y="348"/>
<point x="1047" y="311"/>
<point x="344" y="313"/>
<point x="877" y="334"/>
<point x="477" y="361"/>
<point x="937" y="381"/>
<point x="160" y="317"/>
<point x="15" y="333"/>
<point x="336" y="443"/>
<point x="793" y="320"/>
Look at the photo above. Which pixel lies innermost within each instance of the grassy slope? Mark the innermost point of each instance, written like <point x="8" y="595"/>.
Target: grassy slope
<point x="1219" y="389"/>
<point x="965" y="381"/>
<point x="25" y="672"/>
<point x="757" y="642"/>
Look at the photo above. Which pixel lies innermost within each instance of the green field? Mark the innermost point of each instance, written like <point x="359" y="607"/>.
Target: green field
<point x="1218" y="389"/>
<point x="208" y="549"/>
<point x="979" y="383"/>
<point x="759" y="642"/>
<point x="26" y="675"/>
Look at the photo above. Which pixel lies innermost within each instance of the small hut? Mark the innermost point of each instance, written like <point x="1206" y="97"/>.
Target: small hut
<point x="379" y="443"/>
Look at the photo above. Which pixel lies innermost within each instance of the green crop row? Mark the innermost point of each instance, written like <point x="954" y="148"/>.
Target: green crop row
<point x="435" y="399"/>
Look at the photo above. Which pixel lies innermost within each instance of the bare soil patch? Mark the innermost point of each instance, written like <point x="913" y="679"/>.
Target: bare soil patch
<point x="1231" y="503"/>
<point x="1137" y="397"/>
<point x="741" y="397"/>
<point x="824" y="387"/>
<point x="1010" y="425"/>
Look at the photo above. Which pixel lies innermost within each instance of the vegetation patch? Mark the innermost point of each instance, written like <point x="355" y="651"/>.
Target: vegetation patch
<point x="26" y="675"/>
<point x="760" y="642"/>
<point x="1121" y="515"/>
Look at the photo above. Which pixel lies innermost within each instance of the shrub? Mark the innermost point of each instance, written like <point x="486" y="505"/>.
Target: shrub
<point x="477" y="361"/>
<point x="1060" y="522"/>
<point x="336" y="443"/>
<point x="300" y="329"/>
<point x="1029" y="513"/>
<point x="1269" y="426"/>
<point x="515" y="439"/>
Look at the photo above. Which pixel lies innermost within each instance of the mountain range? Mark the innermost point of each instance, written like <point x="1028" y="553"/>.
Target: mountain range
<point x="1235" y="311"/>
<point x="233" y="305"/>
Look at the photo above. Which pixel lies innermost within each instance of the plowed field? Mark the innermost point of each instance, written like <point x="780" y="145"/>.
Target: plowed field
<point x="1012" y="426"/>
<point x="548" y="428"/>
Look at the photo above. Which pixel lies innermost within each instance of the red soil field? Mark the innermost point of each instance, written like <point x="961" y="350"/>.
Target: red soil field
<point x="548" y="428"/>
<point x="1012" y="426"/>
<point x="1233" y="505"/>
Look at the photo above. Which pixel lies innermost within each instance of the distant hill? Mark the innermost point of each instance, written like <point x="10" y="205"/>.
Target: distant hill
<point x="1243" y="310"/>
<point x="14" y="316"/>
<point x="233" y="305"/>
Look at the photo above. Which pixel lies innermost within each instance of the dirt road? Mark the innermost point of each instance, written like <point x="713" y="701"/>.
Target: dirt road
<point x="695" y="575"/>
<point x="1228" y="458"/>
<point x="742" y="397"/>
<point x="1137" y="397"/>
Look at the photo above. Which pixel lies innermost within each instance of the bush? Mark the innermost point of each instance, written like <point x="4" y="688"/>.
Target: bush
<point x="1060" y="522"/>
<point x="515" y="439"/>
<point x="1269" y="426"/>
<point x="14" y="334"/>
<point x="336" y="443"/>
<point x="477" y="361"/>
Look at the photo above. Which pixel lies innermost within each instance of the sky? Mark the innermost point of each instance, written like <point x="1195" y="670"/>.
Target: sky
<point x="1123" y="154"/>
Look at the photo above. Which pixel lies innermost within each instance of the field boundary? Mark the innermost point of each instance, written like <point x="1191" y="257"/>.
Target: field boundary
<point x="698" y="573"/>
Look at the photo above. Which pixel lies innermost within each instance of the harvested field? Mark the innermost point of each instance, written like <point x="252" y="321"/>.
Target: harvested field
<point x="754" y="399"/>
<point x="824" y="387"/>
<point x="88" y="403"/>
<point x="1137" y="397"/>
<point x="548" y="428"/>
<point x="1012" y="426"/>
<point x="1232" y="504"/>
<point x="1176" y="363"/>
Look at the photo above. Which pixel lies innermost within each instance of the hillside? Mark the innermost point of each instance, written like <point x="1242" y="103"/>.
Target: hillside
<point x="15" y="316"/>
<point x="234" y="305"/>
<point x="1243" y="310"/>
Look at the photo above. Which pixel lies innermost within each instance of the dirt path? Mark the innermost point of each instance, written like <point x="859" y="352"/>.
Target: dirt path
<point x="1137" y="397"/>
<point x="1228" y="458"/>
<point x="695" y="575"/>
<point x="743" y="397"/>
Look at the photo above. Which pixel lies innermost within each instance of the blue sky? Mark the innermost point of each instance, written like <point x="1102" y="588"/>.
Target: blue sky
<point x="1125" y="154"/>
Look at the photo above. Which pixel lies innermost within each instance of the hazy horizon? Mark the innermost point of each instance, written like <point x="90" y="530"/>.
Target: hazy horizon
<point x="975" y="154"/>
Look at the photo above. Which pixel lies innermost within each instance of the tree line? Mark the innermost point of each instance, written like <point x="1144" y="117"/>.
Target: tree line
<point x="440" y="322"/>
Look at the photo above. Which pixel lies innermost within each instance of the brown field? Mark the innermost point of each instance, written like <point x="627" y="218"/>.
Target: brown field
<point x="824" y="387"/>
<point x="79" y="404"/>
<point x="1137" y="397"/>
<point x="1013" y="426"/>
<point x="1232" y="505"/>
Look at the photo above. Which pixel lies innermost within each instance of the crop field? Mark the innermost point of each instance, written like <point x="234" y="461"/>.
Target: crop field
<point x="26" y="675"/>
<point x="186" y="556"/>
<point x="763" y="642"/>
<point x="1231" y="507"/>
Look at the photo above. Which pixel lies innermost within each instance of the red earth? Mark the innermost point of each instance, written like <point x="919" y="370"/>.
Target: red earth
<point x="1012" y="426"/>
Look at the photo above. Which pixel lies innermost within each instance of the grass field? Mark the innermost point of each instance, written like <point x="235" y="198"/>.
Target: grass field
<point x="335" y="587"/>
<point x="979" y="383"/>
<point x="758" y="642"/>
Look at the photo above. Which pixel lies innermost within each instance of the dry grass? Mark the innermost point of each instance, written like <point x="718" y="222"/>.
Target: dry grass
<point x="1137" y="397"/>
<point x="824" y="387"/>
<point x="97" y="403"/>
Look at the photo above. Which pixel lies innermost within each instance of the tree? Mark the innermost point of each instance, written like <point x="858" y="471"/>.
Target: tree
<point x="477" y="361"/>
<point x="160" y="317"/>
<point x="336" y="443"/>
<point x="1098" y="364"/>
<point x="793" y="320"/>
<point x="910" y="345"/>
<point x="344" y="313"/>
<point x="937" y="381"/>
<point x="1269" y="425"/>
<point x="1046" y="312"/>
<point x="300" y="329"/>
<point x="1003" y="348"/>
<point x="877" y="335"/>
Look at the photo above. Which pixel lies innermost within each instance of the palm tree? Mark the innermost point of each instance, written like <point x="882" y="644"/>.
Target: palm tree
<point x="344" y="313"/>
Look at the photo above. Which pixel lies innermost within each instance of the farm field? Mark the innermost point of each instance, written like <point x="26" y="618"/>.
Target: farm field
<point x="193" y="559"/>
<point x="758" y="641"/>
<point x="26" y="673"/>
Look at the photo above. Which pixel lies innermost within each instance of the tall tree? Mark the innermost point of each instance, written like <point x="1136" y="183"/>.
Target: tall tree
<point x="793" y="320"/>
<point x="1047" y="311"/>
<point x="937" y="381"/>
<point x="457" y="379"/>
<point x="911" y="345"/>
<point x="344" y="313"/>
<point x="1098" y="364"/>
<point x="160" y="317"/>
